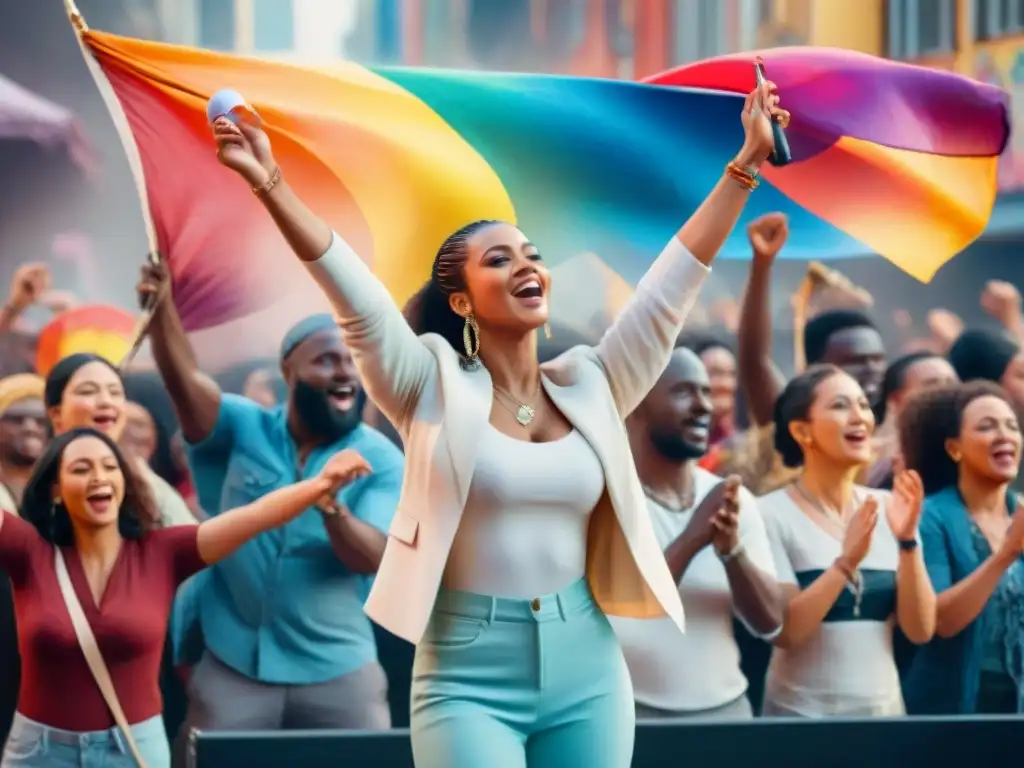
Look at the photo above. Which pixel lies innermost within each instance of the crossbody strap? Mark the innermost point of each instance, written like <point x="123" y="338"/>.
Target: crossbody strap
<point x="93" y="657"/>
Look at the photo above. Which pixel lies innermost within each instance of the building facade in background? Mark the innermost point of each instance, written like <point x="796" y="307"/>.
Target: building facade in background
<point x="983" y="39"/>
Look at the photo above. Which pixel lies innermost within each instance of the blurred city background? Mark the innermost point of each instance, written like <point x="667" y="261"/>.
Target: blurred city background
<point x="67" y="197"/>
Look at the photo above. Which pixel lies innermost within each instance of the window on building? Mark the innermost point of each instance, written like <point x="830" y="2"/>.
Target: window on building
<point x="273" y="25"/>
<point x="215" y="24"/>
<point x="917" y="28"/>
<point x="998" y="18"/>
<point x="699" y="30"/>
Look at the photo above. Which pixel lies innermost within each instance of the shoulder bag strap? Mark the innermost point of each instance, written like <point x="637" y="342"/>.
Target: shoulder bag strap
<point x="93" y="657"/>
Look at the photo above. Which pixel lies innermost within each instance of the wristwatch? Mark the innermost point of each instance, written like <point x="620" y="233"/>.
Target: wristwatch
<point x="329" y="506"/>
<point x="908" y="545"/>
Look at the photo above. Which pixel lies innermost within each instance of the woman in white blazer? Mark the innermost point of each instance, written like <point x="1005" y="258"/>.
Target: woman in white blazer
<point x="521" y="524"/>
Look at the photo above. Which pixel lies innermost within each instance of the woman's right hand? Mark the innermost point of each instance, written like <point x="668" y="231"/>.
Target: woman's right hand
<point x="1013" y="544"/>
<point x="857" y="540"/>
<point x="245" y="149"/>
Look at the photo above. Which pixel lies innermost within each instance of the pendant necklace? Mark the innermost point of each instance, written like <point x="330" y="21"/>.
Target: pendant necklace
<point x="523" y="412"/>
<point x="855" y="582"/>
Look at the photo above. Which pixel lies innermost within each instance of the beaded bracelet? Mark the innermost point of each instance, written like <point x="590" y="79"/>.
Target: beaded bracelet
<point x="741" y="176"/>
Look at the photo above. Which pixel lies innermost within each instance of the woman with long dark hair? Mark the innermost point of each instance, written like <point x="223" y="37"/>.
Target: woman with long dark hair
<point x="85" y="501"/>
<point x="522" y="522"/>
<point x="86" y="390"/>
<point x="849" y="573"/>
<point x="965" y="441"/>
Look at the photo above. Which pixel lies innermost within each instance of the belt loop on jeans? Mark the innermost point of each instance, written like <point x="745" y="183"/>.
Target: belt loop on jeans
<point x="119" y="740"/>
<point x="494" y="610"/>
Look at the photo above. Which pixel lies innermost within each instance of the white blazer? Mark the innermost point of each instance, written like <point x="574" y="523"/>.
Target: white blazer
<point x="440" y="411"/>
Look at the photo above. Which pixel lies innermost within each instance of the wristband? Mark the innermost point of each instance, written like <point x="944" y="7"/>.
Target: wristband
<point x="732" y="554"/>
<point x="908" y="545"/>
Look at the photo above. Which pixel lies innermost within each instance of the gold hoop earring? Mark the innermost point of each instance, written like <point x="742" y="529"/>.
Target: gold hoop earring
<point x="471" y="338"/>
<point x="547" y="331"/>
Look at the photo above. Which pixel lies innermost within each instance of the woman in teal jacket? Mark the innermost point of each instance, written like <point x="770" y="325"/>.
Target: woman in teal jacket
<point x="965" y="442"/>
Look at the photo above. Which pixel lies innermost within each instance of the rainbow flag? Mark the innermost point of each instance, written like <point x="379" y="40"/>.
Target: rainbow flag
<point x="99" y="329"/>
<point x="890" y="159"/>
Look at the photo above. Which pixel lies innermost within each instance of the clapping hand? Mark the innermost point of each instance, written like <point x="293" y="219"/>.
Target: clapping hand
<point x="725" y="524"/>
<point x="903" y="509"/>
<point x="857" y="540"/>
<point x="344" y="468"/>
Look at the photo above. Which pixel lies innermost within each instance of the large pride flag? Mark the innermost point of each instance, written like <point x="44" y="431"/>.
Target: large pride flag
<point x="890" y="158"/>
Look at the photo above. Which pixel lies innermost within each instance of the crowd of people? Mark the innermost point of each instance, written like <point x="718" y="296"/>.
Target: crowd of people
<point x="608" y="530"/>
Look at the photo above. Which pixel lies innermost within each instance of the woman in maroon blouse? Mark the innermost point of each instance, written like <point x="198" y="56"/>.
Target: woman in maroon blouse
<point x="84" y="499"/>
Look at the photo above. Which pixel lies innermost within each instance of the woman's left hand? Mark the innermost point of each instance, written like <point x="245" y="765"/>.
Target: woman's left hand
<point x="344" y="468"/>
<point x="759" y="108"/>
<point x="903" y="508"/>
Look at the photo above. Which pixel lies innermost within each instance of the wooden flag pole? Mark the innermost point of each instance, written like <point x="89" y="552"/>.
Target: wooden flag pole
<point x="134" y="158"/>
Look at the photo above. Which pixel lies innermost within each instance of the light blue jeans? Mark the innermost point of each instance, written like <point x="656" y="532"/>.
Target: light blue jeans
<point x="513" y="683"/>
<point x="34" y="745"/>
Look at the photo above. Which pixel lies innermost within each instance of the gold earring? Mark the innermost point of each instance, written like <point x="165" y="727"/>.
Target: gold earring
<point x="471" y="338"/>
<point x="547" y="331"/>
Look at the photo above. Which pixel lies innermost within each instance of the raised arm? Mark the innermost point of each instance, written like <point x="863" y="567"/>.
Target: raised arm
<point x="915" y="597"/>
<point x="635" y="350"/>
<point x="195" y="396"/>
<point x="392" y="363"/>
<point x="222" y="535"/>
<point x="762" y="383"/>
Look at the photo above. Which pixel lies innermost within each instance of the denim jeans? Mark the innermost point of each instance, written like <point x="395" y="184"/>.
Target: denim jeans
<point x="34" y="745"/>
<point x="506" y="683"/>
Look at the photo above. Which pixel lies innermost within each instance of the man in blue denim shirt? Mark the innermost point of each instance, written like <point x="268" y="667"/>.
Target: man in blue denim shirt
<point x="287" y="642"/>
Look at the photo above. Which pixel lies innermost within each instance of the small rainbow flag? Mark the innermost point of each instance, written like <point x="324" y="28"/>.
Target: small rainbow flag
<point x="99" y="329"/>
<point x="891" y="158"/>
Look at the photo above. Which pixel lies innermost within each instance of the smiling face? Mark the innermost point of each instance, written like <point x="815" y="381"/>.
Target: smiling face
<point x="989" y="444"/>
<point x="94" y="397"/>
<point x="507" y="284"/>
<point x="91" y="483"/>
<point x="677" y="411"/>
<point x="325" y="386"/>
<point x="839" y="423"/>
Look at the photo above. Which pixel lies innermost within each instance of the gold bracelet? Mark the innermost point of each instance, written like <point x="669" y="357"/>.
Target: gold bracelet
<point x="264" y="190"/>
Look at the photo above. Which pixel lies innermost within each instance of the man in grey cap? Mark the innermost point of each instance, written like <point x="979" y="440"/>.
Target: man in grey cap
<point x="287" y="644"/>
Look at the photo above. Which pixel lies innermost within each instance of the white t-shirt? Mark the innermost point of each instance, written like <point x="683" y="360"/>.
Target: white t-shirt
<point x="847" y="669"/>
<point x="698" y="670"/>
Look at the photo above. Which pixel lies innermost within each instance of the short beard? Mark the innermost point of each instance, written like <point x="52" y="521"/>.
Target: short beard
<point x="675" y="448"/>
<point x="13" y="458"/>
<point x="320" y="417"/>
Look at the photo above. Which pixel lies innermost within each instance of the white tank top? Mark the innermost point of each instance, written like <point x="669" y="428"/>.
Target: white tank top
<point x="523" y="533"/>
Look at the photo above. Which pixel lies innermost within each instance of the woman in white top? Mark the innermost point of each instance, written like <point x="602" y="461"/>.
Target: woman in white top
<point x="849" y="572"/>
<point x="521" y="522"/>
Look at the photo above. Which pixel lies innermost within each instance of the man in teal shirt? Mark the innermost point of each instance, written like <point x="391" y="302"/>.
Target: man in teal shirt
<point x="287" y="644"/>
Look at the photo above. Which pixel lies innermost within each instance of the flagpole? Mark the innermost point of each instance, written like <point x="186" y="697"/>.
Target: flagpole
<point x="131" y="150"/>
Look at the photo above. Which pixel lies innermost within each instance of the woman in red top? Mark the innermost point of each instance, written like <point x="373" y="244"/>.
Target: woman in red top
<point x="84" y="499"/>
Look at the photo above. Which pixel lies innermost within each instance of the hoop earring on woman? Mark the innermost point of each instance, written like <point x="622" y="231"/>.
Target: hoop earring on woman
<point x="471" y="341"/>
<point x="547" y="331"/>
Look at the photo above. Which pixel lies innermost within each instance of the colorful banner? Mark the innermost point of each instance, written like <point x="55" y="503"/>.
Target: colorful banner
<point x="397" y="159"/>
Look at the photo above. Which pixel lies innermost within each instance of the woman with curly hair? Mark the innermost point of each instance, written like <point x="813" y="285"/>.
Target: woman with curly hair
<point x="83" y="507"/>
<point x="849" y="574"/>
<point x="965" y="442"/>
